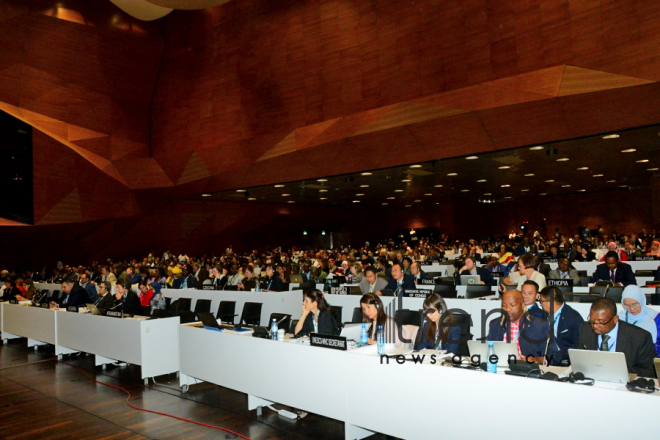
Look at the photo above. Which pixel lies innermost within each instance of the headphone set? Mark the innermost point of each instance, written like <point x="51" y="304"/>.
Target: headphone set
<point x="376" y="301"/>
<point x="577" y="377"/>
<point x="641" y="385"/>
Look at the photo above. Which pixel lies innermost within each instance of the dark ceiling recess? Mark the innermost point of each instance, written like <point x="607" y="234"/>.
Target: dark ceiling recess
<point x="609" y="161"/>
<point x="16" y="169"/>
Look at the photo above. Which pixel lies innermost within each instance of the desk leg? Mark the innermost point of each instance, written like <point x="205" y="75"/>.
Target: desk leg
<point x="7" y="336"/>
<point x="353" y="432"/>
<point x="185" y="381"/>
<point x="59" y="351"/>
<point x="34" y="343"/>
<point x="257" y="403"/>
<point x="100" y="360"/>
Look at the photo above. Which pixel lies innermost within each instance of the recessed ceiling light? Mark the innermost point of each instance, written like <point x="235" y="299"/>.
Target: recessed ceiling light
<point x="623" y="186"/>
<point x="642" y="161"/>
<point x="415" y="166"/>
<point x="508" y="197"/>
<point x="505" y="186"/>
<point x="651" y="169"/>
<point x="385" y="203"/>
<point x="391" y="198"/>
<point x="536" y="148"/>
<point x="524" y="190"/>
<point x="582" y="190"/>
<point x="206" y="195"/>
<point x="364" y="186"/>
<point x="324" y="198"/>
<point x="359" y="195"/>
<point x="356" y="201"/>
<point x="240" y="190"/>
<point x="428" y="194"/>
<point x="291" y="201"/>
<point x="529" y="175"/>
<point x="286" y="195"/>
<point x="437" y="203"/>
<point x="398" y="190"/>
<point x="437" y="186"/>
<point x="279" y="186"/>
<point x="417" y="201"/>
<point x="583" y="168"/>
<point x="566" y="186"/>
<point x="611" y="181"/>
<point x="472" y="157"/>
<point x="408" y="206"/>
<point x="543" y="194"/>
<point x="452" y="174"/>
<point x="504" y="167"/>
<point x="366" y="174"/>
<point x="549" y="181"/>
<point x="611" y="136"/>
<point x="405" y="180"/>
<point x="563" y="159"/>
<point x="321" y="180"/>
<point x="252" y="198"/>
<point x="629" y="150"/>
<point x="465" y="190"/>
<point x="481" y="181"/>
<point x="323" y="190"/>
<point x="488" y="194"/>
<point x="598" y="175"/>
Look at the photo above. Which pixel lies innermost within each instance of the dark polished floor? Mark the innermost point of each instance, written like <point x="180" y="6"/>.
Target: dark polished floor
<point x="40" y="397"/>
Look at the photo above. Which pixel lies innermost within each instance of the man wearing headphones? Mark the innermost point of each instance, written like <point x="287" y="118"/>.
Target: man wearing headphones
<point x="399" y="281"/>
<point x="126" y="300"/>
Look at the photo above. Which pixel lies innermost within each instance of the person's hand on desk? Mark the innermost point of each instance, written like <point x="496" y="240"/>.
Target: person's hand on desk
<point x="240" y="286"/>
<point x="53" y="305"/>
<point x="372" y="342"/>
<point x="379" y="293"/>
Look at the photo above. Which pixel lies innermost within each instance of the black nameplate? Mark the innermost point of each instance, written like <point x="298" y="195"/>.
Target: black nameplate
<point x="644" y="258"/>
<point x="549" y="260"/>
<point x="13" y="301"/>
<point x="559" y="283"/>
<point x="338" y="290"/>
<point x="208" y="287"/>
<point x="44" y="305"/>
<point x="429" y="282"/>
<point x="113" y="313"/>
<point x="426" y="263"/>
<point x="497" y="274"/>
<point x="328" y="341"/>
<point x="417" y="293"/>
<point x="73" y="309"/>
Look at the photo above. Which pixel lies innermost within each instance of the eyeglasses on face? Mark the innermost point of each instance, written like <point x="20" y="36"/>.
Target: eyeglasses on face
<point x="595" y="323"/>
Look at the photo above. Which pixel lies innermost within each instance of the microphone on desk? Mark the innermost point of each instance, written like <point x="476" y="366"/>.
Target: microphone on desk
<point x="41" y="298"/>
<point x="116" y="305"/>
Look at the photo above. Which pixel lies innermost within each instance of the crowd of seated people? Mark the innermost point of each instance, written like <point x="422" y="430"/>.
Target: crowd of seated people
<point x="393" y="265"/>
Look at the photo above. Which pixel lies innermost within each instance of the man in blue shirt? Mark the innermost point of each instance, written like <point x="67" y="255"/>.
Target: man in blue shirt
<point x="566" y="323"/>
<point x="604" y="332"/>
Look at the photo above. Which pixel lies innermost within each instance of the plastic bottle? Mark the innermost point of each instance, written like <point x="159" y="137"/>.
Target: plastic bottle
<point x="380" y="339"/>
<point x="364" y="337"/>
<point x="257" y="288"/>
<point x="273" y="330"/>
<point x="491" y="367"/>
<point x="350" y="279"/>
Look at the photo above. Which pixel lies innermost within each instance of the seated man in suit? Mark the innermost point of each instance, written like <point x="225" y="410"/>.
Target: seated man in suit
<point x="564" y="272"/>
<point x="89" y="287"/>
<point x="126" y="300"/>
<point x="372" y="283"/>
<point x="620" y="274"/>
<point x="105" y="300"/>
<point x="186" y="281"/>
<point x="470" y="268"/>
<point x="106" y="275"/>
<point x="74" y="295"/>
<point x="417" y="272"/>
<point x="604" y="332"/>
<point x="540" y="266"/>
<point x="399" y="281"/>
<point x="523" y="247"/>
<point x="565" y="321"/>
<point x="131" y="276"/>
<point x="528" y="331"/>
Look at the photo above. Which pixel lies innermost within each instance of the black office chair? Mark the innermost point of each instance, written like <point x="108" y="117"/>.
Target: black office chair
<point x="408" y="317"/>
<point x="460" y="318"/>
<point x="586" y="298"/>
<point x="283" y="317"/>
<point x="565" y="289"/>
<point x="357" y="315"/>
<point x="336" y="312"/>
<point x="292" y="327"/>
<point x="168" y="301"/>
<point x="612" y="291"/>
<point x="478" y="291"/>
<point x="433" y="274"/>
<point x="445" y="291"/>
<point x="585" y="280"/>
<point x="582" y="273"/>
<point x="202" y="306"/>
<point x="568" y="296"/>
<point x="184" y="304"/>
<point x="644" y="273"/>
<point x="447" y="281"/>
<point x="507" y="287"/>
<point x="251" y="314"/>
<point x="227" y="312"/>
<point x="654" y="299"/>
<point x="615" y="294"/>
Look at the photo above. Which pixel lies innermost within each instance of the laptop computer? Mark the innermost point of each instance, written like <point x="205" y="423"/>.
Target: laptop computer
<point x="352" y="331"/>
<point x="93" y="309"/>
<point x="502" y="349"/>
<point x="209" y="321"/>
<point x="296" y="278"/>
<point x="600" y="365"/>
<point x="466" y="280"/>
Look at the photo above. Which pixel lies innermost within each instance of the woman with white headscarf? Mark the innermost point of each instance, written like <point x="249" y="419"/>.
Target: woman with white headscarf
<point x="635" y="311"/>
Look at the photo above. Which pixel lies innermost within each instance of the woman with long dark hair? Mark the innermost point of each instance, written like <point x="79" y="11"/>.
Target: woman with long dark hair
<point x="433" y="335"/>
<point x="272" y="283"/>
<point x="373" y="312"/>
<point x="316" y="315"/>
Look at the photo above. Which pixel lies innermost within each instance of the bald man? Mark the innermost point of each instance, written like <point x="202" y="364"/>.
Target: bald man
<point x="529" y="332"/>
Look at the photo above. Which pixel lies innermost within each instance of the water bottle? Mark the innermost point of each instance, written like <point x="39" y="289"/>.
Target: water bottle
<point x="380" y="341"/>
<point x="257" y="288"/>
<point x="364" y="337"/>
<point x="350" y="279"/>
<point x="446" y="273"/>
<point x="273" y="330"/>
<point x="490" y="366"/>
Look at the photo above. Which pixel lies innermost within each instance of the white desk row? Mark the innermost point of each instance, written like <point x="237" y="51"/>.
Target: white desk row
<point x="401" y="400"/>
<point x="152" y="344"/>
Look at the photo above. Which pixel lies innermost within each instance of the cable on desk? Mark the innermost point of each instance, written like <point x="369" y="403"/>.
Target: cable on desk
<point x="151" y="411"/>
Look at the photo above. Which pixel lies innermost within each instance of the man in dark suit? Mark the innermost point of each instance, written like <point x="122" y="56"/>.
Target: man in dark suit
<point x="200" y="274"/>
<point x="105" y="299"/>
<point x="131" y="276"/>
<point x="74" y="295"/>
<point x="604" y="332"/>
<point x="564" y="272"/>
<point x="89" y="287"/>
<point x="541" y="267"/>
<point x="186" y="281"/>
<point x="565" y="320"/>
<point x="620" y="274"/>
<point x="530" y="332"/>
<point x="399" y="281"/>
<point x="126" y="300"/>
<point x="470" y="268"/>
<point x="418" y="273"/>
<point x="523" y="247"/>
